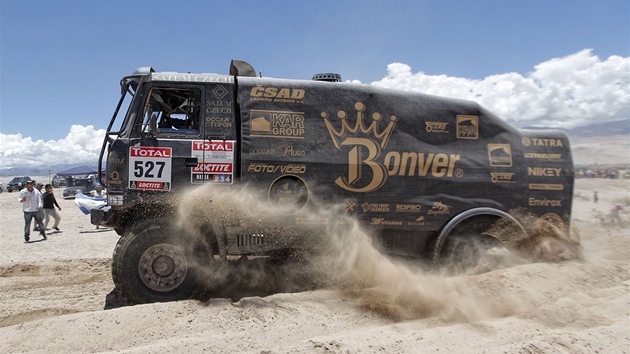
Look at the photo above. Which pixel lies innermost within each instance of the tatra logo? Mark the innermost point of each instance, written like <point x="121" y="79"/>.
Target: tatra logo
<point x="366" y="172"/>
<point x="542" y="142"/>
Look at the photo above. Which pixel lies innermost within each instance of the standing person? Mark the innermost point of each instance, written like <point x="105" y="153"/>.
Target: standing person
<point x="39" y="186"/>
<point x="614" y="214"/>
<point x="99" y="192"/>
<point x="31" y="200"/>
<point x="595" y="198"/>
<point x="49" y="203"/>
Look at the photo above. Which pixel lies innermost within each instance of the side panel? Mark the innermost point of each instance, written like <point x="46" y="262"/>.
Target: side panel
<point x="394" y="160"/>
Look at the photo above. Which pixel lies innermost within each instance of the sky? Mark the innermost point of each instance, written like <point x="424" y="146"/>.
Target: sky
<point x="561" y="63"/>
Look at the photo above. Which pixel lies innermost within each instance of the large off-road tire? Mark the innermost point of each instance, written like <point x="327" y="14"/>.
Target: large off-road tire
<point x="152" y="263"/>
<point x="467" y="244"/>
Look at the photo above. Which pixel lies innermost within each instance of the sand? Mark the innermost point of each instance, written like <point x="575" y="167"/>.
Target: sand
<point x="53" y="295"/>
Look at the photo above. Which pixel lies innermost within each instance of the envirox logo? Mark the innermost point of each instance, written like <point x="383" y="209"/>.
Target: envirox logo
<point x="367" y="171"/>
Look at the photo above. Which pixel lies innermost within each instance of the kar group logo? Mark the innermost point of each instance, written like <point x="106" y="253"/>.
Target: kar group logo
<point x="500" y="155"/>
<point x="364" y="141"/>
<point x="215" y="161"/>
<point x="277" y="124"/>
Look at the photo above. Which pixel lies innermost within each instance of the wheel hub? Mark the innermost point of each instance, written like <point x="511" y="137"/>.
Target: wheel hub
<point x="163" y="267"/>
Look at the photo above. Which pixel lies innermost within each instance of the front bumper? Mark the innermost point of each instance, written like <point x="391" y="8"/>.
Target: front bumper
<point x="101" y="215"/>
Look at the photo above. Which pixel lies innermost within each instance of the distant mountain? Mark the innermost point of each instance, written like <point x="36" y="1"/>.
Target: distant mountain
<point x="35" y="171"/>
<point x="620" y="127"/>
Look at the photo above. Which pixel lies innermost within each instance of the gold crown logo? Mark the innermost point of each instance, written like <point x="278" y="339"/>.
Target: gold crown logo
<point x="359" y="126"/>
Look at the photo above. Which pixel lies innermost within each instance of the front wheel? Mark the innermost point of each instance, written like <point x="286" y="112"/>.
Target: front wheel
<point x="152" y="264"/>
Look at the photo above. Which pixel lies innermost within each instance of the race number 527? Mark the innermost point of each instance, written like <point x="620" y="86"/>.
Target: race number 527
<point x="150" y="168"/>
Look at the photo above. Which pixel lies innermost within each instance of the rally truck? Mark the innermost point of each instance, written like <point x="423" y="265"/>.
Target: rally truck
<point x="425" y="176"/>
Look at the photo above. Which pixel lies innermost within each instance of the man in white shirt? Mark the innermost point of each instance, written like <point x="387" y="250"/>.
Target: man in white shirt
<point x="32" y="205"/>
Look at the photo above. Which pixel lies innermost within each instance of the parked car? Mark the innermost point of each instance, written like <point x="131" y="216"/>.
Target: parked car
<point x="17" y="183"/>
<point x="58" y="181"/>
<point x="77" y="185"/>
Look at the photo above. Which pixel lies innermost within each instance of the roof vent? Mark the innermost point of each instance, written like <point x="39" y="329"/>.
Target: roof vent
<point x="329" y="77"/>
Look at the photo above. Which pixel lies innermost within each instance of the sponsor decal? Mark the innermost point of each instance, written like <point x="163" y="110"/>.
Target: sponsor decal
<point x="277" y="94"/>
<point x="288" y="194"/>
<point x="545" y="202"/>
<point x="383" y="221"/>
<point x="216" y="122"/>
<point x="544" y="171"/>
<point x="420" y="221"/>
<point x="436" y="127"/>
<point x="439" y="208"/>
<point x="500" y="155"/>
<point x="367" y="172"/>
<point x="350" y="206"/>
<point x="542" y="142"/>
<point x="467" y="127"/>
<point x="408" y="208"/>
<point x="259" y="167"/>
<point x="277" y="124"/>
<point x="375" y="208"/>
<point x="191" y="77"/>
<point x="215" y="161"/>
<point x="541" y="156"/>
<point x="502" y="177"/>
<point x="546" y="187"/>
<point x="150" y="168"/>
<point x="283" y="150"/>
<point x="114" y="178"/>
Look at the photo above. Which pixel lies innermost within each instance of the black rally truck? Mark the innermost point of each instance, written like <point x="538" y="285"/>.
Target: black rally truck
<point x="424" y="175"/>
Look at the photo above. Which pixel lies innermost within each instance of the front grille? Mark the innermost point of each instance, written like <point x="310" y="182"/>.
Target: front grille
<point x="243" y="240"/>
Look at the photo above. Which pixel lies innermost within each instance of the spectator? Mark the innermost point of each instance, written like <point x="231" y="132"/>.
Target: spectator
<point x="49" y="203"/>
<point x="99" y="192"/>
<point x="39" y="186"/>
<point x="614" y="214"/>
<point x="31" y="200"/>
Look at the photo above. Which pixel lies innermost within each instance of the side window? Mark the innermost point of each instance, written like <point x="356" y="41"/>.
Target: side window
<point x="175" y="110"/>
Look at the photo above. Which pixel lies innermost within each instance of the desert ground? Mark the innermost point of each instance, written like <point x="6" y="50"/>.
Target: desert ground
<point x="54" y="295"/>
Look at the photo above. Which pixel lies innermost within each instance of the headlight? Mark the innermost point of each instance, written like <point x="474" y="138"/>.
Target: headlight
<point x="115" y="199"/>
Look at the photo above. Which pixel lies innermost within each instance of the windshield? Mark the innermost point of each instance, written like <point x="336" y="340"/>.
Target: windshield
<point x="175" y="110"/>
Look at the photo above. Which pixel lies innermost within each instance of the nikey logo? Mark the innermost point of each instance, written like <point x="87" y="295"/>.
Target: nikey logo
<point x="367" y="172"/>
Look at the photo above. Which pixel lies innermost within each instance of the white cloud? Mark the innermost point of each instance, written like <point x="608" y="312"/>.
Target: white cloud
<point x="82" y="145"/>
<point x="576" y="90"/>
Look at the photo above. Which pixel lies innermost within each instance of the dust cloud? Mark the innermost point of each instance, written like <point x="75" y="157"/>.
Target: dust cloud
<point x="342" y="256"/>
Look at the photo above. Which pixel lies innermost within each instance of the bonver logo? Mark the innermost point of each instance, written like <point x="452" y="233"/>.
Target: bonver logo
<point x="367" y="171"/>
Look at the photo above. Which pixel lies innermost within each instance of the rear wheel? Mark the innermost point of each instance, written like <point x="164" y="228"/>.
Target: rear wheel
<point x="468" y="245"/>
<point x="152" y="263"/>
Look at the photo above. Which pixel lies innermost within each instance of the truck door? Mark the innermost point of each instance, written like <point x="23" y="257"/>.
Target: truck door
<point x="161" y="158"/>
<point x="216" y="153"/>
